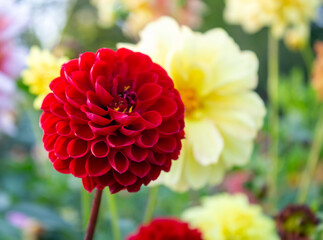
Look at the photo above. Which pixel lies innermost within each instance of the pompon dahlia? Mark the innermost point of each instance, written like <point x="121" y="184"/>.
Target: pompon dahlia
<point x="113" y="119"/>
<point x="166" y="229"/>
<point x="296" y="222"/>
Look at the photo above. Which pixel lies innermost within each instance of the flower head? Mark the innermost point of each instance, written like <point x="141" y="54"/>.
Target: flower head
<point x="13" y="19"/>
<point x="140" y="12"/>
<point x="216" y="81"/>
<point x="225" y="217"/>
<point x="287" y="19"/>
<point x="317" y="79"/>
<point x="166" y="229"/>
<point x="113" y="119"/>
<point x="43" y="67"/>
<point x="296" y="222"/>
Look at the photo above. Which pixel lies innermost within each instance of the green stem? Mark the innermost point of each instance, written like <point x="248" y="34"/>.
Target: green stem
<point x="114" y="216"/>
<point x="86" y="207"/>
<point x="308" y="58"/>
<point x="312" y="161"/>
<point x="273" y="79"/>
<point x="151" y="205"/>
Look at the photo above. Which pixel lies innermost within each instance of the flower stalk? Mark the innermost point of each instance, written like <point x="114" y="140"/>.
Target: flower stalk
<point x="273" y="118"/>
<point x="151" y="205"/>
<point x="114" y="217"/>
<point x="312" y="159"/>
<point x="86" y="209"/>
<point x="94" y="215"/>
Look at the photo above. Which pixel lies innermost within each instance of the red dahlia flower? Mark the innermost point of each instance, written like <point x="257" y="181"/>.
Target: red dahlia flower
<point x="113" y="119"/>
<point x="166" y="229"/>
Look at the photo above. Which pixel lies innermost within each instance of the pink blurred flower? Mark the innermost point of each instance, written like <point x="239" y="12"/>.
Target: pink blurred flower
<point x="13" y="19"/>
<point x="31" y="229"/>
<point x="235" y="183"/>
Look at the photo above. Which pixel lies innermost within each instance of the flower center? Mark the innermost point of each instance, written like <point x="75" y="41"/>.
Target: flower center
<point x="190" y="100"/>
<point x="124" y="101"/>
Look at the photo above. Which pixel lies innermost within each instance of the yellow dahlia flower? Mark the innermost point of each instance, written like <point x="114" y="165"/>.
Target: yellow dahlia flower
<point x="228" y="217"/>
<point x="287" y="19"/>
<point x="43" y="67"/>
<point x="216" y="81"/>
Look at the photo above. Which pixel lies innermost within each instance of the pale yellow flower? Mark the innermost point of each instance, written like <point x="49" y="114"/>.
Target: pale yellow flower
<point x="216" y="81"/>
<point x="42" y="68"/>
<point x="228" y="217"/>
<point x="286" y="18"/>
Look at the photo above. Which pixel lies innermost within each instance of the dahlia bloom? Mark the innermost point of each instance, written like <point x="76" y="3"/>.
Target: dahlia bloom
<point x="113" y="119"/>
<point x="287" y="19"/>
<point x="43" y="67"/>
<point x="141" y="12"/>
<point x="317" y="78"/>
<point x="296" y="222"/>
<point x="166" y="229"/>
<point x="222" y="112"/>
<point x="13" y="19"/>
<point x="225" y="217"/>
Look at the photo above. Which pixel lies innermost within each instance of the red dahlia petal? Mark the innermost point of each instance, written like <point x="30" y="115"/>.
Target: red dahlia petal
<point x="104" y="96"/>
<point x="69" y="67"/>
<point x="151" y="119"/>
<point x="93" y="102"/>
<point x="77" y="167"/>
<point x="97" y="166"/>
<point x="138" y="63"/>
<point x="119" y="162"/>
<point x="63" y="128"/>
<point x="52" y="157"/>
<point x="118" y="140"/>
<point x="116" y="187"/>
<point x="102" y="121"/>
<point x="146" y="78"/>
<point x="99" y="130"/>
<point x="62" y="166"/>
<point x="75" y="114"/>
<point x="148" y="138"/>
<point x="58" y="110"/>
<point x="122" y="53"/>
<point x="165" y="106"/>
<point x="82" y="131"/>
<point x="77" y="148"/>
<point x="47" y="101"/>
<point x="136" y="154"/>
<point x="107" y="55"/>
<point x="125" y="179"/>
<point x="170" y="126"/>
<point x="74" y="97"/>
<point x="99" y="148"/>
<point x="139" y="169"/>
<point x="166" y="145"/>
<point x="157" y="159"/>
<point x="61" y="147"/>
<point x="100" y="68"/>
<point x="149" y="92"/>
<point x="88" y="183"/>
<point x="86" y="61"/>
<point x="49" y="141"/>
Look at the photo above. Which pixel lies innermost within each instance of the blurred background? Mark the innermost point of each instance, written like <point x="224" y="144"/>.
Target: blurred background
<point x="36" y="202"/>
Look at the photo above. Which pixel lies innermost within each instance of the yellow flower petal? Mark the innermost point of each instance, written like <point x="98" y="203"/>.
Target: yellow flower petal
<point x="206" y="141"/>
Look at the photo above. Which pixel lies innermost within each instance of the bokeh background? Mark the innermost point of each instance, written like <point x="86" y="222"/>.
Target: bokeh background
<point x="37" y="201"/>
